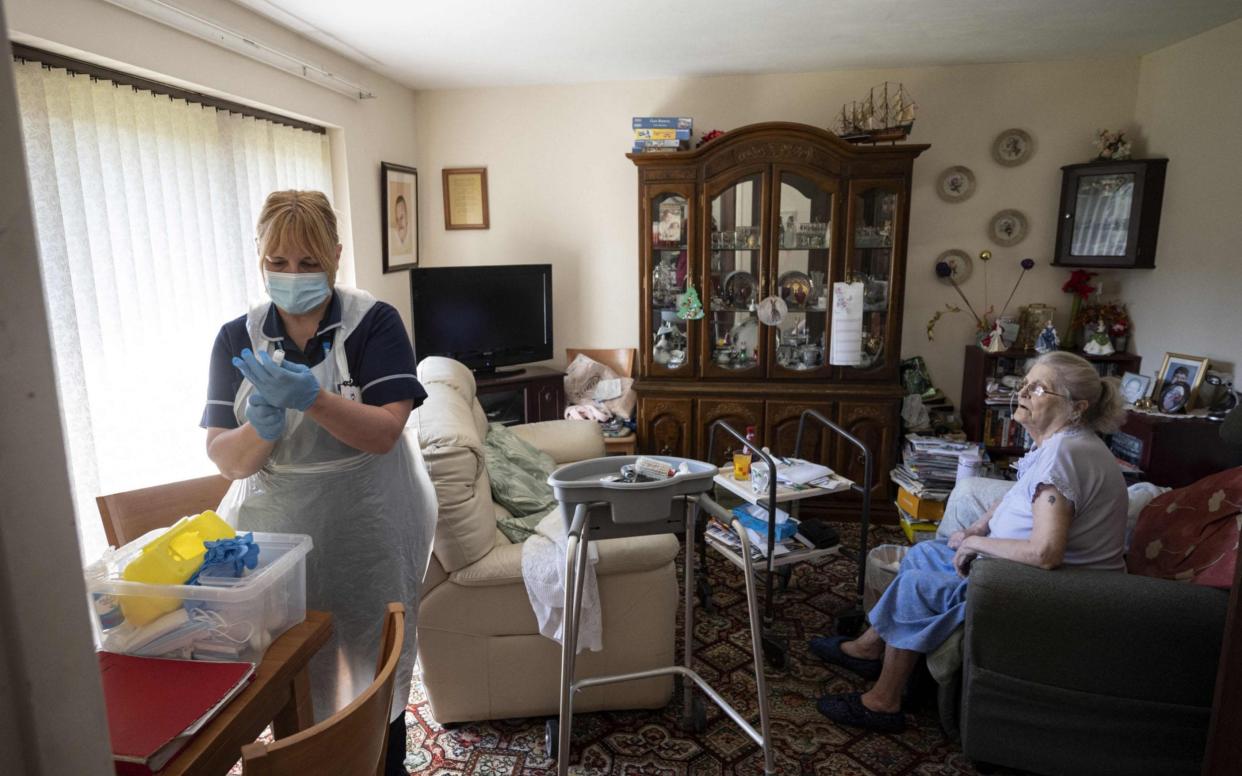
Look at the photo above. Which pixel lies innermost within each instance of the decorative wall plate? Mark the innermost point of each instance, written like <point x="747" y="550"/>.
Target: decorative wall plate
<point x="739" y="289"/>
<point x="794" y="287"/>
<point x="956" y="184"/>
<point x="1008" y="227"/>
<point x="959" y="262"/>
<point x="1013" y="147"/>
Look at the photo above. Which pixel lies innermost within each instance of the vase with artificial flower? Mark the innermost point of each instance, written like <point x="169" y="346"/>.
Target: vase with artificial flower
<point x="988" y="329"/>
<point x="1111" y="145"/>
<point x="1079" y="284"/>
<point x="1118" y="320"/>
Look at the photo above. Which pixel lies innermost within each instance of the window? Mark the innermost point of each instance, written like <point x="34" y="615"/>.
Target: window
<point x="145" y="205"/>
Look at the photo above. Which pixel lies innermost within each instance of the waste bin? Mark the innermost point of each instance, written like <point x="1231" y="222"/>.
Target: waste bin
<point x="882" y="563"/>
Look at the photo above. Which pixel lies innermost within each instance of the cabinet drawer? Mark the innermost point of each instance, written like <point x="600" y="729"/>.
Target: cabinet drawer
<point x="665" y="425"/>
<point x="738" y="413"/>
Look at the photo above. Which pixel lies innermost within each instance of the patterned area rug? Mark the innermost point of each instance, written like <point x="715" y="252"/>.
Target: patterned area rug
<point x="651" y="743"/>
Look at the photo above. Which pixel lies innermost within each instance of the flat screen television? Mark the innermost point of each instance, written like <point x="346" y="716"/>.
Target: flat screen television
<point x="485" y="317"/>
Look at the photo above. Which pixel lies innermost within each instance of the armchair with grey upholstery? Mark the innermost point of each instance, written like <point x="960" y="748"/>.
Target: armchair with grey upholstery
<point x="1080" y="671"/>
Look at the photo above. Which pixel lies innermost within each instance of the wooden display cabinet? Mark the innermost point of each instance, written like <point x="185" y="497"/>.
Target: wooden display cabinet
<point x="774" y="209"/>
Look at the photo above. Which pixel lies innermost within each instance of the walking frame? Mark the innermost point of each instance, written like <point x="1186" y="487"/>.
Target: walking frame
<point x="585" y="514"/>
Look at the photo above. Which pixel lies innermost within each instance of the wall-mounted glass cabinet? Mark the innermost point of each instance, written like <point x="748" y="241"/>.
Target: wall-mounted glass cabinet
<point x="1110" y="214"/>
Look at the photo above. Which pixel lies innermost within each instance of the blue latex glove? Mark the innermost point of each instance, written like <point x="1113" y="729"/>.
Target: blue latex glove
<point x="287" y="385"/>
<point x="233" y="554"/>
<point x="268" y="421"/>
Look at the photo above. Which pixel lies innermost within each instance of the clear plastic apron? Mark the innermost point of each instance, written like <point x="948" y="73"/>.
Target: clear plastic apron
<point x="372" y="519"/>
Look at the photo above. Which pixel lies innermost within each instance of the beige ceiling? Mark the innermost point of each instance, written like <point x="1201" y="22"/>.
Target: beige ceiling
<point x="440" y="44"/>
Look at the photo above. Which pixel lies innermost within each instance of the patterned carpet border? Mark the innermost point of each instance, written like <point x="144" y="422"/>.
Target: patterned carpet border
<point x="652" y="743"/>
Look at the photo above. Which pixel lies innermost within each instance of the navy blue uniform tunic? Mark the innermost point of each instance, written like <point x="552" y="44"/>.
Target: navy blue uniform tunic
<point x="378" y="352"/>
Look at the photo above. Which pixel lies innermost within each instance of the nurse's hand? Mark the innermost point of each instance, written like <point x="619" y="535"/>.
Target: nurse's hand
<point x="287" y="385"/>
<point x="268" y="421"/>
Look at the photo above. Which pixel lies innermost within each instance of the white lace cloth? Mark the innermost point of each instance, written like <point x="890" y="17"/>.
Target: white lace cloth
<point x="543" y="572"/>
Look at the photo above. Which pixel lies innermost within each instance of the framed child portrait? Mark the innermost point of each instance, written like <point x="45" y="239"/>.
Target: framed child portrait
<point x="1135" y="386"/>
<point x="1180" y="376"/>
<point x="399" y="195"/>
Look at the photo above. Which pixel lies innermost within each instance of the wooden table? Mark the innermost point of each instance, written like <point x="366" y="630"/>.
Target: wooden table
<point x="279" y="695"/>
<point x="622" y="445"/>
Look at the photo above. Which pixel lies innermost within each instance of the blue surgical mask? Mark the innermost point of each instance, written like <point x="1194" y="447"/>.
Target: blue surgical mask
<point x="297" y="292"/>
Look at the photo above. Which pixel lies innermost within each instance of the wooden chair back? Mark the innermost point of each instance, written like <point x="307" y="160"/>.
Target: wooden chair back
<point x="352" y="741"/>
<point x="130" y="514"/>
<point x="619" y="360"/>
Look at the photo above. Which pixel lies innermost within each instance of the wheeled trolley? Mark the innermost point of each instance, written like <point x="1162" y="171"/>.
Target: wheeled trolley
<point x="597" y="508"/>
<point x="775" y="648"/>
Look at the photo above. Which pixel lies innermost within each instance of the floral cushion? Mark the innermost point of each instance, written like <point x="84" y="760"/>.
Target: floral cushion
<point x="1191" y="533"/>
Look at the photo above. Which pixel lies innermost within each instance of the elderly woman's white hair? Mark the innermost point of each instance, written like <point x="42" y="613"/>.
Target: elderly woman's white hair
<point x="1075" y="378"/>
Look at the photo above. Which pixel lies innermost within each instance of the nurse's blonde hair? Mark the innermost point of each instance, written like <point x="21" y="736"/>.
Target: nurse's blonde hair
<point x="302" y="218"/>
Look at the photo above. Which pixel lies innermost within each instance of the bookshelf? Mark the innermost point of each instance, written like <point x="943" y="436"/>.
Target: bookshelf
<point x="990" y="423"/>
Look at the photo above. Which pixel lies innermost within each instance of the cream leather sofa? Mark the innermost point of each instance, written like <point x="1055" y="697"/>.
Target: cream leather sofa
<point x="479" y="647"/>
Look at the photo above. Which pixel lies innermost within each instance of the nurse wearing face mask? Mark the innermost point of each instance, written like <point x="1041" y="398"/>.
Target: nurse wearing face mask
<point x="306" y="410"/>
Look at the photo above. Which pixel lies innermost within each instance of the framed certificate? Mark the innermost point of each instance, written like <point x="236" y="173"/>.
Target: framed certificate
<point x="465" y="198"/>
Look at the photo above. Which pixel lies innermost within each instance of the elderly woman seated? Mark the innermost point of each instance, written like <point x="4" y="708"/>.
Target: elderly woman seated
<point x="1068" y="507"/>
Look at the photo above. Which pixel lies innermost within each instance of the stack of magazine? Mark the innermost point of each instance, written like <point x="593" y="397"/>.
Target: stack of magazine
<point x="928" y="467"/>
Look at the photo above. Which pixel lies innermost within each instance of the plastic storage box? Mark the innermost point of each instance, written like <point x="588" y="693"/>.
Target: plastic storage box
<point x="223" y="618"/>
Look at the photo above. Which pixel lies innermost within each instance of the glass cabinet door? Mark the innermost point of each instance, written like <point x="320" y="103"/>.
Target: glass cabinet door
<point x="734" y="277"/>
<point x="668" y="267"/>
<point x="875" y="216"/>
<point x="802" y="246"/>
<point x="1102" y="208"/>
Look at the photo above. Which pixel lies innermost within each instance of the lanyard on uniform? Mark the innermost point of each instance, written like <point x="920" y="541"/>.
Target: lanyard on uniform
<point x="347" y="387"/>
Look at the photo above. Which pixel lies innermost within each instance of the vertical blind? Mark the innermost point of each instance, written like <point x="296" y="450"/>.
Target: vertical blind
<point x="145" y="209"/>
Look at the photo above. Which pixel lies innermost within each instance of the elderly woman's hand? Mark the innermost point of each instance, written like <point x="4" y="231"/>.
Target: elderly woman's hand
<point x="956" y="539"/>
<point x="962" y="560"/>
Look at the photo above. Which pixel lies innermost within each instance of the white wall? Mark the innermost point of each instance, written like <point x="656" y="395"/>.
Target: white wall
<point x="562" y="191"/>
<point x="1190" y="108"/>
<point x="52" y="717"/>
<point x="365" y="133"/>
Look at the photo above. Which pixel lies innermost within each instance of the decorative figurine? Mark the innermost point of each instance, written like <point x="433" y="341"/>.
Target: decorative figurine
<point x="1099" y="344"/>
<point x="1048" y="340"/>
<point x="994" y="342"/>
<point x="689" y="308"/>
<point x="669" y="348"/>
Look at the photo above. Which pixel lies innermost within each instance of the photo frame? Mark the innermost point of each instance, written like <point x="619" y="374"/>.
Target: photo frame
<point x="670" y="226"/>
<point x="465" y="198"/>
<point x="1135" y="386"/>
<point x="1179" y="379"/>
<point x="399" y="215"/>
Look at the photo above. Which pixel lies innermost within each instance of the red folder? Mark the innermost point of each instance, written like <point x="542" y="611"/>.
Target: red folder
<point x="155" y="706"/>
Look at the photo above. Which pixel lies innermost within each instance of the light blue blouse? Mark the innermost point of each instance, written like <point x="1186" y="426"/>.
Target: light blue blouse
<point x="1076" y="462"/>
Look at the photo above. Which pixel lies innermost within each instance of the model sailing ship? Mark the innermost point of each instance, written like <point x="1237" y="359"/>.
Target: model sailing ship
<point x="887" y="119"/>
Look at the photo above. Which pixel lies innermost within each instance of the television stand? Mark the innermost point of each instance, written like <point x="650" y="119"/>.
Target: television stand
<point x="528" y="395"/>
<point x="488" y="374"/>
